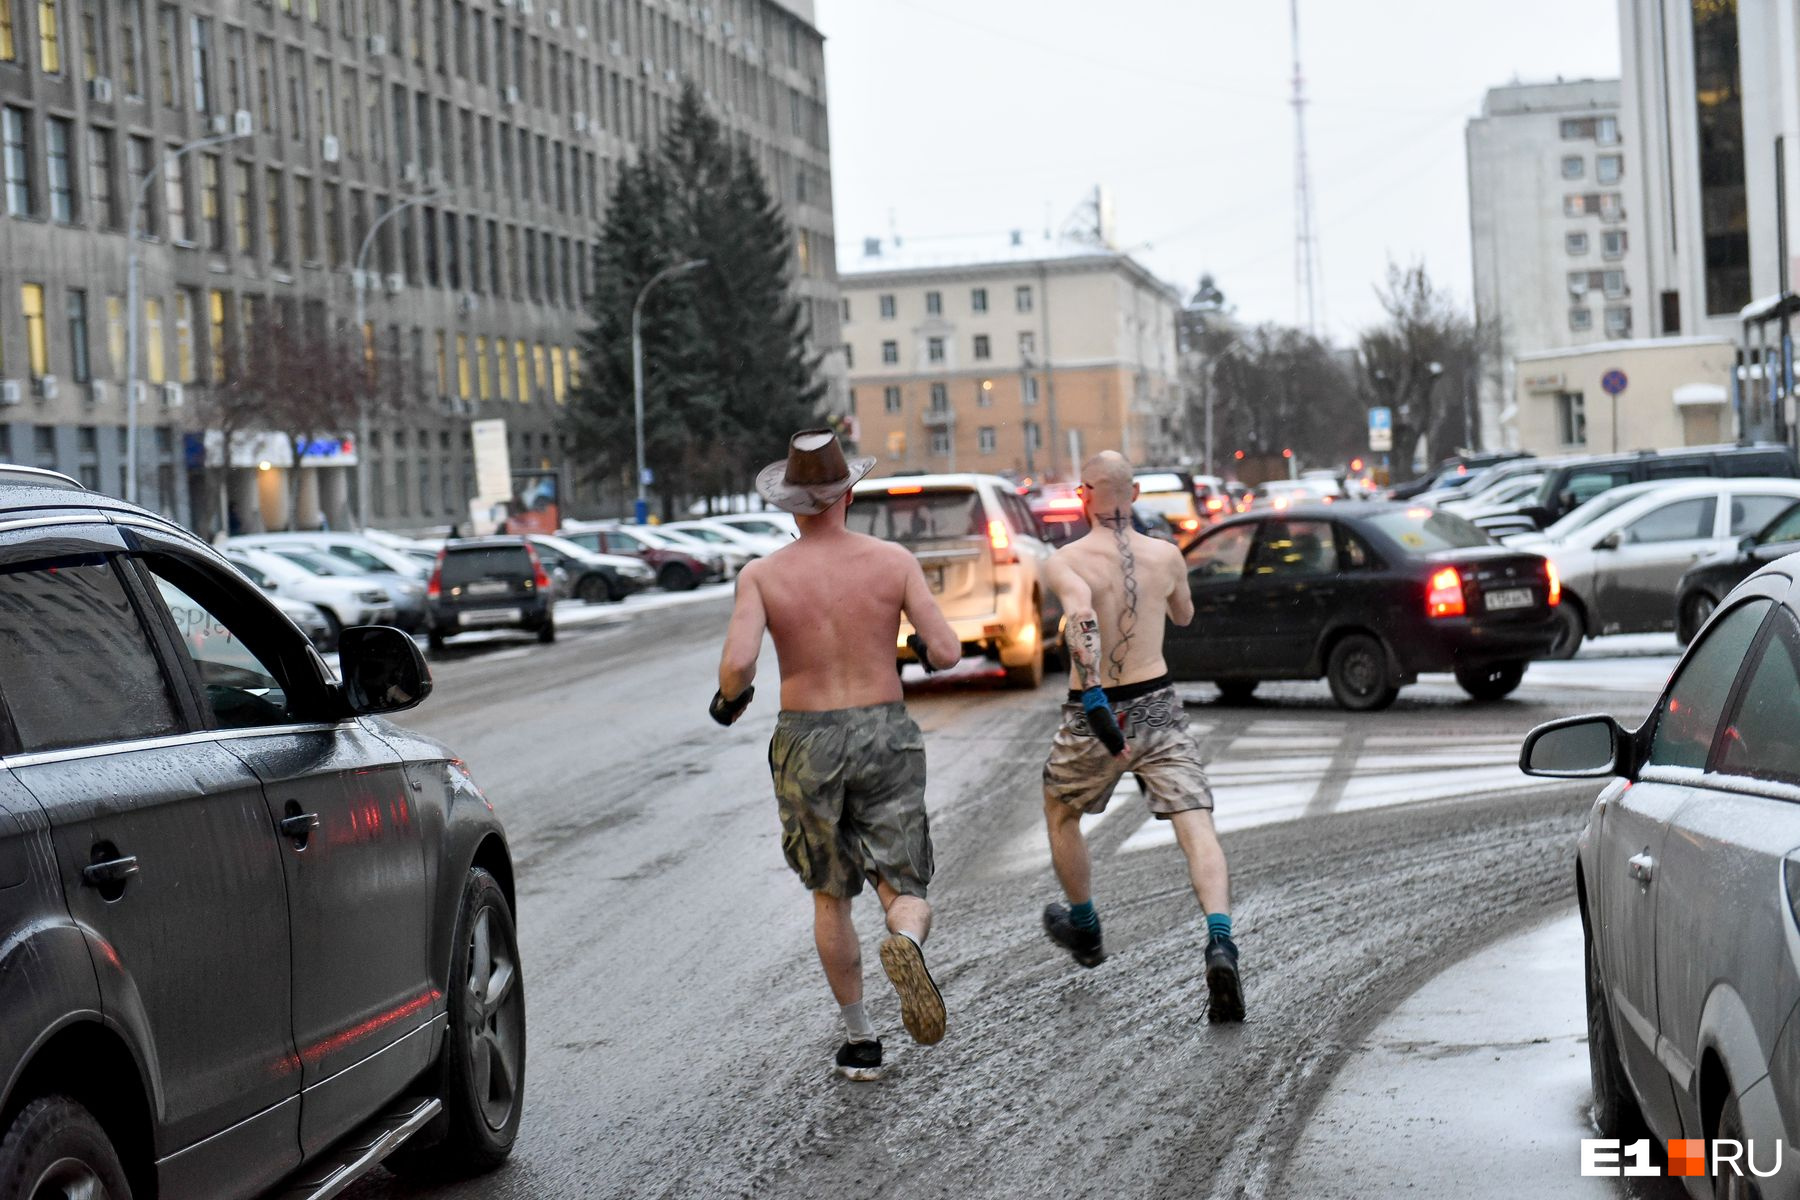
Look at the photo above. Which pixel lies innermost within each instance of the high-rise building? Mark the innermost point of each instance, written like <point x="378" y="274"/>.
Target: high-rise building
<point x="1550" y="229"/>
<point x="512" y="118"/>
<point x="1024" y="357"/>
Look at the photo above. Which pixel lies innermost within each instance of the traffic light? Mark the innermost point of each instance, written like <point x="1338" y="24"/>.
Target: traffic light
<point x="1240" y="454"/>
<point x="1287" y="454"/>
<point x="1356" y="464"/>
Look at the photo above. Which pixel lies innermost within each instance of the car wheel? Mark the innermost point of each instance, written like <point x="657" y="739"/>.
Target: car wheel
<point x="1735" y="1186"/>
<point x="55" y="1150"/>
<point x="1030" y="674"/>
<point x="593" y="589"/>
<point x="1358" y="674"/>
<point x="1236" y="691"/>
<point x="1696" y="609"/>
<point x="480" y="1075"/>
<point x="434" y="639"/>
<point x="547" y="632"/>
<point x="676" y="578"/>
<point x="1571" y="628"/>
<point x="1494" y="681"/>
<point x="1616" y="1113"/>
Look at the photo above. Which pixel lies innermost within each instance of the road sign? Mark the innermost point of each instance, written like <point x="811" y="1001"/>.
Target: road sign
<point x="1381" y="430"/>
<point x="1613" y="382"/>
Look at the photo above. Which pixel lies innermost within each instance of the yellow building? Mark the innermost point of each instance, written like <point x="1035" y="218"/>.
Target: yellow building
<point x="1677" y="393"/>
<point x="1024" y="359"/>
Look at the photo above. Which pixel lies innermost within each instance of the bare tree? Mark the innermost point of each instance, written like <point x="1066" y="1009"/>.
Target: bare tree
<point x="1421" y="363"/>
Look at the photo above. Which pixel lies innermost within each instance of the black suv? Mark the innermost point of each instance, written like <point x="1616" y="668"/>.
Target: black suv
<point x="251" y="934"/>
<point x="1571" y="482"/>
<point x="489" y="583"/>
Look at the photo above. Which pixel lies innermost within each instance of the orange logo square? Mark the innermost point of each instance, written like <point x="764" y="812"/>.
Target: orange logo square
<point x="1687" y="1157"/>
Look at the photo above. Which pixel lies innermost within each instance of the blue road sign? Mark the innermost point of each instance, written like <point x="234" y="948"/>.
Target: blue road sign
<point x="1613" y="382"/>
<point x="1381" y="429"/>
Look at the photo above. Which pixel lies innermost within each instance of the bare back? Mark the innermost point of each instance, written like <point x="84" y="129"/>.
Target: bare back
<point x="1132" y="583"/>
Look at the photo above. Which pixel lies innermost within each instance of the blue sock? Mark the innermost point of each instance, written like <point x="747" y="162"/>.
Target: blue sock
<point x="1218" y="925"/>
<point x="1083" y="916"/>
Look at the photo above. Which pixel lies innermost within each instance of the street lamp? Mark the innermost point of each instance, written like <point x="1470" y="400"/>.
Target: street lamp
<point x="360" y="279"/>
<point x="642" y="507"/>
<point x="134" y="267"/>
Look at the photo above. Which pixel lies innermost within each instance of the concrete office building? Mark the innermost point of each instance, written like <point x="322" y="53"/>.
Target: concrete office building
<point x="1024" y="357"/>
<point x="1550" y="230"/>
<point x="515" y="115"/>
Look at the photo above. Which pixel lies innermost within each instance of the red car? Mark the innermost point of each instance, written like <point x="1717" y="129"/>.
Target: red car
<point x="676" y="569"/>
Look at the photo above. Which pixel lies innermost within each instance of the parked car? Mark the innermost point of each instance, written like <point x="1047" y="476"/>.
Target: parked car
<point x="1620" y="572"/>
<point x="1212" y="495"/>
<point x="1503" y="494"/>
<point x="309" y="620"/>
<point x="677" y="569"/>
<point x="722" y="536"/>
<point x="1281" y="494"/>
<point x="1454" y="472"/>
<point x="405" y="591"/>
<point x="1171" y="494"/>
<point x="1367" y="596"/>
<point x="1688" y="883"/>
<point x="345" y="601"/>
<point x="1709" y="580"/>
<point x="1061" y="519"/>
<point x="983" y="557"/>
<point x="589" y="576"/>
<point x="252" y="935"/>
<point x="489" y="583"/>
<point x="774" y="523"/>
<point x="365" y="553"/>
<point x="730" y="557"/>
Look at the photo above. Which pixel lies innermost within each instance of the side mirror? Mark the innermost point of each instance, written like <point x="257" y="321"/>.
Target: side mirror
<point x="383" y="670"/>
<point x="1591" y="747"/>
<point x="1611" y="541"/>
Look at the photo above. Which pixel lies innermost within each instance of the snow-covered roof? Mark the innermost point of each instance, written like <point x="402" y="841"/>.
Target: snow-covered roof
<point x="889" y="256"/>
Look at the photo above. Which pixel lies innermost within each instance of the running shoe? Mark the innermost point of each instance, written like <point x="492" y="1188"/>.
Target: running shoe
<point x="921" y="1004"/>
<point x="1225" y="1000"/>
<point x="860" y="1061"/>
<point x="1084" y="944"/>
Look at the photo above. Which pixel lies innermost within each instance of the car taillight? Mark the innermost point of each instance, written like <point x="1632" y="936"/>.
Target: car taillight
<point x="1002" y="544"/>
<point x="1190" y="523"/>
<point x="1445" y="597"/>
<point x="1555" y="583"/>
<point x="537" y="569"/>
<point x="434" y="587"/>
<point x="1214" y="504"/>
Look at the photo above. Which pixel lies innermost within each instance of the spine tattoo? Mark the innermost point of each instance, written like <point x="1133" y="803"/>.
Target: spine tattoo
<point x="1120" y="523"/>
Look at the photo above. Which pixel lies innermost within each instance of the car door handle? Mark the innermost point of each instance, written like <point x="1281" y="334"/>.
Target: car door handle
<point x="1641" y="867"/>
<point x="299" y="826"/>
<point x="111" y="872"/>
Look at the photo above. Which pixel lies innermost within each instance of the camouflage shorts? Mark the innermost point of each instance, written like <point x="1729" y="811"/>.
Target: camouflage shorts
<point x="1159" y="750"/>
<point x="850" y="785"/>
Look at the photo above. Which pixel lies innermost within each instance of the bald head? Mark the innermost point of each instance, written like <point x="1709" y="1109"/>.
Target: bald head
<point x="1107" y="484"/>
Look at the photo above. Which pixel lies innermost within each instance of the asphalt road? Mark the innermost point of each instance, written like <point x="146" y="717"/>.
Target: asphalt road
<point x="680" y="1028"/>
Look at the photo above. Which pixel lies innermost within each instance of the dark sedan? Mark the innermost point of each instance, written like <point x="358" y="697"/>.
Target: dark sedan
<point x="1367" y="596"/>
<point x="1709" y="581"/>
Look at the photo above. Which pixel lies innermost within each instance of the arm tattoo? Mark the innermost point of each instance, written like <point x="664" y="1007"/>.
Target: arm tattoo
<point x="1086" y="647"/>
<point x="1119" y="521"/>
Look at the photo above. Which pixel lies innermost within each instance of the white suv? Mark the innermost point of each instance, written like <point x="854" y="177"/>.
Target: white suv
<point x="983" y="556"/>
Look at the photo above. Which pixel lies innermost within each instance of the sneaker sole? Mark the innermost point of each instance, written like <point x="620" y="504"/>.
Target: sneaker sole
<point x="921" y="1004"/>
<point x="1225" y="1002"/>
<point x="860" y="1074"/>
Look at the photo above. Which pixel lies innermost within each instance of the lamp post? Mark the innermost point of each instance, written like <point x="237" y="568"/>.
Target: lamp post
<point x="642" y="506"/>
<point x="360" y="279"/>
<point x="134" y="267"/>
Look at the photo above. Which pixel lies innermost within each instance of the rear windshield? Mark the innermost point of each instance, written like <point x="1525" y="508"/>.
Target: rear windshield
<point x="1159" y="483"/>
<point x="488" y="562"/>
<point x="1424" y="530"/>
<point x="917" y="516"/>
<point x="1164" y="503"/>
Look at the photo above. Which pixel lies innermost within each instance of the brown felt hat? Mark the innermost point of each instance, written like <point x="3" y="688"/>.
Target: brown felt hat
<point x="813" y="475"/>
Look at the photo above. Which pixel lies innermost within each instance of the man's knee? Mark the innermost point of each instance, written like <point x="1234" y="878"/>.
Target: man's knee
<point x="1194" y="828"/>
<point x="1058" y="814"/>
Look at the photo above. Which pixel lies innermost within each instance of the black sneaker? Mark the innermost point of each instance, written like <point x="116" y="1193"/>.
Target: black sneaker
<point x="1225" y="1001"/>
<point x="860" y="1061"/>
<point x="1084" y="944"/>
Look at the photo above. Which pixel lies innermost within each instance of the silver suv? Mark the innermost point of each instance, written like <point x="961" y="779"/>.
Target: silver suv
<point x="983" y="555"/>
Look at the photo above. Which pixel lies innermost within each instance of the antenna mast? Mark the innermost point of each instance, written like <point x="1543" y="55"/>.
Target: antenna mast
<point x="1306" y="247"/>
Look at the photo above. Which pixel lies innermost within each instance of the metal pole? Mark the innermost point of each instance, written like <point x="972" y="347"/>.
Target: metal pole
<point x="641" y="509"/>
<point x="1785" y="386"/>
<point x="133" y="270"/>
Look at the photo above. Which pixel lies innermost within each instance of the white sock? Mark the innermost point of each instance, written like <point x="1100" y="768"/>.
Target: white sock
<point x="857" y="1023"/>
<point x="911" y="937"/>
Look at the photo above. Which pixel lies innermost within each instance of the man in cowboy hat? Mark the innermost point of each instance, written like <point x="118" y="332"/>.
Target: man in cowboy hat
<point x="849" y="764"/>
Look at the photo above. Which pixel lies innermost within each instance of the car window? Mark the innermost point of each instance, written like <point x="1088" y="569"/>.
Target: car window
<point x="1784" y="528"/>
<point x="1221" y="555"/>
<point x="76" y="663"/>
<point x="1760" y="740"/>
<point x="1425" y="530"/>
<point x="625" y="542"/>
<point x="239" y="689"/>
<point x="1355" y="551"/>
<point x="1682" y="521"/>
<point x="1752" y="511"/>
<point x="1023" y="520"/>
<point x="485" y="562"/>
<point x="360" y="558"/>
<point x="251" y="573"/>
<point x="1677" y="468"/>
<point x="1294" y="549"/>
<point x="1690" y="710"/>
<point x="903" y="515"/>
<point x="1757" y="463"/>
<point x="1584" y="485"/>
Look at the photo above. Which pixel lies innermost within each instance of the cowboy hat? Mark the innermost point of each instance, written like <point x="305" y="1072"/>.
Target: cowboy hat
<point x="813" y="475"/>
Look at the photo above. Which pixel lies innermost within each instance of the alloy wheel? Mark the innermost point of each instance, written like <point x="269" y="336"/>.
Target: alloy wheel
<point x="69" y="1179"/>
<point x="495" y="1020"/>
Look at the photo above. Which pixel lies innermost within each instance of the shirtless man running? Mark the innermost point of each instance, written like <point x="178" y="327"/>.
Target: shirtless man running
<point x="849" y="764"/>
<point x="1123" y="715"/>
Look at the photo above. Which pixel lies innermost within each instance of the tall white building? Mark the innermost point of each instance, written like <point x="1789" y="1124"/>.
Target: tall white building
<point x="1549" y="217"/>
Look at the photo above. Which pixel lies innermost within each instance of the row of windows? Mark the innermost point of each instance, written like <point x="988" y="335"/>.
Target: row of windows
<point x="986" y="440"/>
<point x="937" y="349"/>
<point x="887" y="304"/>
<point x="1604" y="130"/>
<point x="1608" y="168"/>
<point x="982" y="392"/>
<point x="1618" y="320"/>
<point x="1611" y="283"/>
<point x="1610" y="205"/>
<point x="1612" y="243"/>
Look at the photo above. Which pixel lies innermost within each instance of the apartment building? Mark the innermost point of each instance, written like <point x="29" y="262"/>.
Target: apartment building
<point x="1023" y="358"/>
<point x="499" y="126"/>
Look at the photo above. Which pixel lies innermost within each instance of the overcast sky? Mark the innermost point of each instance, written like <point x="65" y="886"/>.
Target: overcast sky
<point x="972" y="117"/>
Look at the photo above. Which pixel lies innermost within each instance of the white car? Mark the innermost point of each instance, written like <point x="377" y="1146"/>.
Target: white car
<point x="345" y="601"/>
<point x="731" y="557"/>
<point x="773" y="523"/>
<point x="724" y="536"/>
<point x="367" y="554"/>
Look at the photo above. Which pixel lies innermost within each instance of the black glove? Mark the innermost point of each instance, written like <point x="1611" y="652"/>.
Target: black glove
<point x="726" y="712"/>
<point x="1101" y="720"/>
<point x="916" y="644"/>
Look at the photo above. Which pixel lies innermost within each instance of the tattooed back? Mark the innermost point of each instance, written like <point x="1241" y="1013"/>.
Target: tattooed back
<point x="1131" y="583"/>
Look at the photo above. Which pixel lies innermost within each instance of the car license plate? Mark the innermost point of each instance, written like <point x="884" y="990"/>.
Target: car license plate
<point x="934" y="576"/>
<point x="486" y="587"/>
<point x="1508" y="598"/>
<point x="490" y="616"/>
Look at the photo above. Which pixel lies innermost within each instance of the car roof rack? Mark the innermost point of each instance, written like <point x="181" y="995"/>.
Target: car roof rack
<point x="37" y="477"/>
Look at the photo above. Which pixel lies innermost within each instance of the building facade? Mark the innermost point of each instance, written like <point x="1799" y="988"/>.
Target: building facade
<point x="1025" y="360"/>
<point x="1550" y="230"/>
<point x="1676" y="395"/>
<point x="509" y="118"/>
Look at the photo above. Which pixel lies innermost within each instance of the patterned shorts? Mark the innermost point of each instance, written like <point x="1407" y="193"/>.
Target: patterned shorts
<point x="1159" y="750"/>
<point x="850" y="786"/>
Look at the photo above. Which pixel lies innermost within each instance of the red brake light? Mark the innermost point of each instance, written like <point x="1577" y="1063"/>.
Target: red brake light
<point x="1190" y="523"/>
<point x="905" y="491"/>
<point x="1214" y="504"/>
<point x="1445" y="597"/>
<point x="1002" y="544"/>
<point x="1555" y="583"/>
<point x="543" y="580"/>
<point x="434" y="587"/>
<point x="1071" y="503"/>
